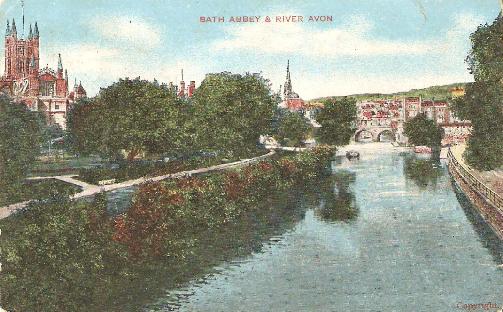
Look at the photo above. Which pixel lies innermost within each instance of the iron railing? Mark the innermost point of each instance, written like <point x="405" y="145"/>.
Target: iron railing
<point x="488" y="194"/>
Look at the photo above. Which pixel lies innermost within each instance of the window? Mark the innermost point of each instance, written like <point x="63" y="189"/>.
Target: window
<point x="56" y="106"/>
<point x="47" y="88"/>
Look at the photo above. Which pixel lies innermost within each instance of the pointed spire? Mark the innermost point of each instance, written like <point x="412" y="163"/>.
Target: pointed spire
<point x="35" y="32"/>
<point x="66" y="76"/>
<point x="287" y="89"/>
<point x="60" y="63"/>
<point x="7" y="31"/>
<point x="30" y="35"/>
<point x="75" y="84"/>
<point x="22" y="6"/>
<point x="14" y="30"/>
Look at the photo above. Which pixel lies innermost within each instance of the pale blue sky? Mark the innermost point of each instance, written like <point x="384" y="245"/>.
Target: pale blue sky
<point x="371" y="46"/>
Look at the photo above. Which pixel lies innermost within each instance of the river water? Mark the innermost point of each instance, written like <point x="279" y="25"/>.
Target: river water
<point x="388" y="232"/>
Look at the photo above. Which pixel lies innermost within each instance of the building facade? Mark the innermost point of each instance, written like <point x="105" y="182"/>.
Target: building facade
<point x="393" y="113"/>
<point x="40" y="89"/>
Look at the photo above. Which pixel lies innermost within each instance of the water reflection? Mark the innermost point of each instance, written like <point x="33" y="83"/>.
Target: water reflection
<point x="486" y="235"/>
<point x="423" y="172"/>
<point x="232" y="243"/>
<point x="337" y="199"/>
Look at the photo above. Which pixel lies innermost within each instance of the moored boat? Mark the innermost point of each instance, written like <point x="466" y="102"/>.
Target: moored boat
<point x="352" y="154"/>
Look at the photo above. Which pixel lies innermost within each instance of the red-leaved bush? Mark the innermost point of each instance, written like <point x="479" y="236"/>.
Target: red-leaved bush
<point x="163" y="212"/>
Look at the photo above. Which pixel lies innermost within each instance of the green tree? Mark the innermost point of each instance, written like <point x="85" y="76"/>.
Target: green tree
<point x="131" y="115"/>
<point x="83" y="133"/>
<point x="20" y="137"/>
<point x="337" y="120"/>
<point x="63" y="253"/>
<point x="231" y="111"/>
<point x="423" y="131"/>
<point x="292" y="128"/>
<point x="483" y="101"/>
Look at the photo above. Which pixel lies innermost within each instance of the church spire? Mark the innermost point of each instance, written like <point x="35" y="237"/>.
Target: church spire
<point x="30" y="35"/>
<point x="35" y="32"/>
<point x="13" y="30"/>
<point x="7" y="31"/>
<point x="287" y="89"/>
<point x="60" y="63"/>
<point x="22" y="7"/>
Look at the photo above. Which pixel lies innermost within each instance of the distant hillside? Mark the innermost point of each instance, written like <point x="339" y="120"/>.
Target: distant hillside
<point x="435" y="92"/>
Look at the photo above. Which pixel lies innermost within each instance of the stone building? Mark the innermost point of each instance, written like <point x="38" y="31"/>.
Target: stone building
<point x="41" y="89"/>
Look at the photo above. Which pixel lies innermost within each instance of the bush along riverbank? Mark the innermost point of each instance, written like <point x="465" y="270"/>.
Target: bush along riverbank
<point x="62" y="255"/>
<point x="162" y="212"/>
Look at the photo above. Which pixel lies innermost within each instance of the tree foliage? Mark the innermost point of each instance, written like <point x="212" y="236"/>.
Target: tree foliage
<point x="131" y="115"/>
<point x="337" y="120"/>
<point x="20" y="136"/>
<point x="231" y="111"/>
<point x="59" y="247"/>
<point x="292" y="128"/>
<point x="483" y="101"/>
<point x="423" y="131"/>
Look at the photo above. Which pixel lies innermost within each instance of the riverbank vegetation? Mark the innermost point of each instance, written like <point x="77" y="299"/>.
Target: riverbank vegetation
<point x="483" y="101"/>
<point x="338" y="121"/>
<point x="291" y="128"/>
<point x="63" y="255"/>
<point x="423" y="131"/>
<point x="160" y="210"/>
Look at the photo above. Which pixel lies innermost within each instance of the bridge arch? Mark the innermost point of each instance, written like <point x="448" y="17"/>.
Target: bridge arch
<point x="364" y="135"/>
<point x="386" y="136"/>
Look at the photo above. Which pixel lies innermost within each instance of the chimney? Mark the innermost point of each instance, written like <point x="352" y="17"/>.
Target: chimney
<point x="181" y="93"/>
<point x="192" y="88"/>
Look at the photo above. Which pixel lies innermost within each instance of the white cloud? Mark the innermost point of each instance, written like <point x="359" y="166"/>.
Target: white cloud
<point x="128" y="29"/>
<point x="445" y="55"/>
<point x="349" y="39"/>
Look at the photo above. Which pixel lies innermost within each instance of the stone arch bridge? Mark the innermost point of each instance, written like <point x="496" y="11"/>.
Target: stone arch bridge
<point x="375" y="134"/>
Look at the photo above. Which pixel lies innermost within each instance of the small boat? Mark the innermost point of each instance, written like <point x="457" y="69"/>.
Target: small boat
<point x="352" y="154"/>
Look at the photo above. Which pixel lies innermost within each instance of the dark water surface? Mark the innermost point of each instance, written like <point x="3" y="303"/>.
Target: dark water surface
<point x="386" y="233"/>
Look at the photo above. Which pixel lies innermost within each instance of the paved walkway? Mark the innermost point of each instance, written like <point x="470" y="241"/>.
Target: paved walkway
<point x="90" y="189"/>
<point x="66" y="178"/>
<point x="286" y="148"/>
<point x="492" y="179"/>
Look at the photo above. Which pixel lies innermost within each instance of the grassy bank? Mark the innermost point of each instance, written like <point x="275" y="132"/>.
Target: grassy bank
<point x="128" y="170"/>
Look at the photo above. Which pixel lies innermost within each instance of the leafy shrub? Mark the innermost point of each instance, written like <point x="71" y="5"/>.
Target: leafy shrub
<point x="164" y="212"/>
